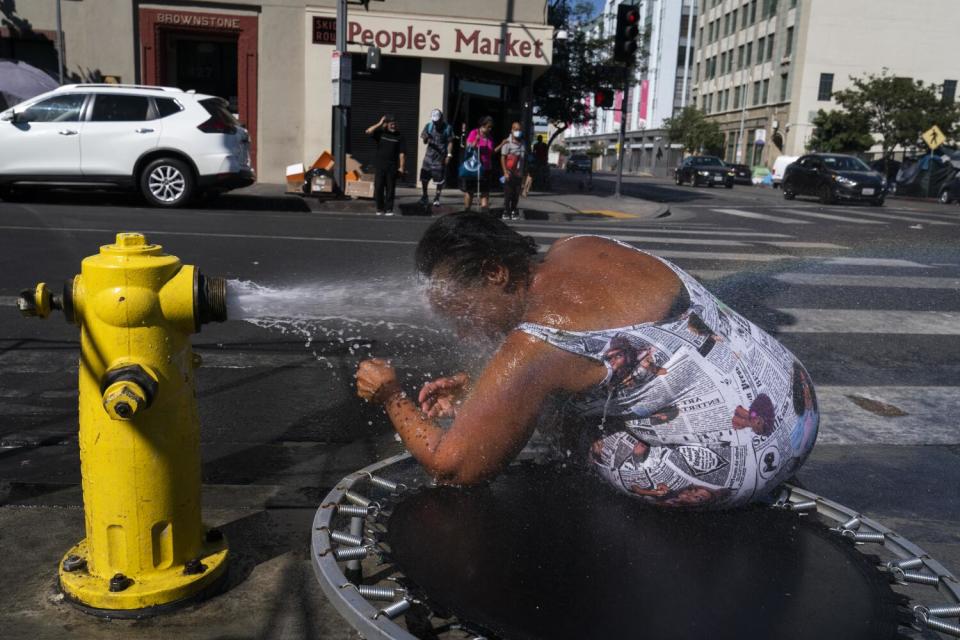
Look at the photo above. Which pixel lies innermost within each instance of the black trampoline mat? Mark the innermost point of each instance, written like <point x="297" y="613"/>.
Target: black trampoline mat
<point x="542" y="553"/>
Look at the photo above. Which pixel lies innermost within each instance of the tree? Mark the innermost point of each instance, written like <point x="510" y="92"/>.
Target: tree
<point x="581" y="65"/>
<point x="899" y="110"/>
<point x="840" y="132"/>
<point x="691" y="128"/>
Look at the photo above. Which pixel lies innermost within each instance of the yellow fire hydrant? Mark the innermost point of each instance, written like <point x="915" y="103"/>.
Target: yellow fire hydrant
<point x="146" y="547"/>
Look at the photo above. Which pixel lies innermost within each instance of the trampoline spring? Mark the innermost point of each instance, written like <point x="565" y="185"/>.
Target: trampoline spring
<point x="346" y="538"/>
<point x="351" y="553"/>
<point x="919" y="578"/>
<point x="852" y="524"/>
<point x="355" y="510"/>
<point x="355" y="498"/>
<point x="944" y="612"/>
<point x="809" y="505"/>
<point x="383" y="483"/>
<point x="858" y="536"/>
<point x="943" y="627"/>
<point x="394" y="610"/>
<point x="380" y="593"/>
<point x="912" y="563"/>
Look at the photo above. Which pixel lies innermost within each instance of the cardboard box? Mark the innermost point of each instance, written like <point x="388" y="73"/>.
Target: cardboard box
<point x="323" y="161"/>
<point x="322" y="184"/>
<point x="353" y="168"/>
<point x="295" y="178"/>
<point x="359" y="189"/>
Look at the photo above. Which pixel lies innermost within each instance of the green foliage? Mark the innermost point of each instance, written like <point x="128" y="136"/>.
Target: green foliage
<point x="691" y="128"/>
<point x="561" y="149"/>
<point x="595" y="149"/>
<point x="580" y="66"/>
<point x="899" y="110"/>
<point x="840" y="132"/>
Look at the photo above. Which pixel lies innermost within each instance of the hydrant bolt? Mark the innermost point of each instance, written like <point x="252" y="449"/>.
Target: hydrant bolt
<point x="74" y="563"/>
<point x="119" y="582"/>
<point x="193" y="567"/>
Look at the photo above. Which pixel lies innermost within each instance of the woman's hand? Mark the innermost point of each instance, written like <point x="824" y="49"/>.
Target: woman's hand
<point x="376" y="380"/>
<point x="439" y="398"/>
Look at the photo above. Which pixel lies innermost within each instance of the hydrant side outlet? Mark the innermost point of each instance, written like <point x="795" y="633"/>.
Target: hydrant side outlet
<point x="139" y="434"/>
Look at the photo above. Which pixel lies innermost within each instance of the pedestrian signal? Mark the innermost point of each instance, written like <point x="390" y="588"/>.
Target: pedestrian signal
<point x="603" y="98"/>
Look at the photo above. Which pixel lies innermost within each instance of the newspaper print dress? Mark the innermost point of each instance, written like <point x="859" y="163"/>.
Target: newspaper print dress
<point x="703" y="409"/>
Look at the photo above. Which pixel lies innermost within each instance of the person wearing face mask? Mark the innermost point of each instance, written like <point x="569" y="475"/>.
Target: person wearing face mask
<point x="479" y="141"/>
<point x="512" y="152"/>
<point x="438" y="136"/>
<point x="389" y="161"/>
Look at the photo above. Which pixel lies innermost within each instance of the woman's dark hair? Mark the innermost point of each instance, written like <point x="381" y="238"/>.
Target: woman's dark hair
<point x="485" y="120"/>
<point x="469" y="243"/>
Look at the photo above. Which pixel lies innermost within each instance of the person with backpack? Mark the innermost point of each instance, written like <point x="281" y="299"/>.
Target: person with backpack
<point x="438" y="136"/>
<point x="477" y="165"/>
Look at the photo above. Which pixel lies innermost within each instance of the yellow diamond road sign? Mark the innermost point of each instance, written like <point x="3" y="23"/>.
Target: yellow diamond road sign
<point x="934" y="137"/>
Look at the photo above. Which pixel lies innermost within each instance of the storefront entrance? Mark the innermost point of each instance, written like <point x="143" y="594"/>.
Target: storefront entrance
<point x="476" y="92"/>
<point x="214" y="54"/>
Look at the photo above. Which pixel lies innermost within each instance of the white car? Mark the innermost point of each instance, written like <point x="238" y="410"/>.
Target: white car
<point x="780" y="167"/>
<point x="169" y="144"/>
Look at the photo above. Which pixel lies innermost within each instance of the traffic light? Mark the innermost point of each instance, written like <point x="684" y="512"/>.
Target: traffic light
<point x="373" y="59"/>
<point x="603" y="98"/>
<point x="628" y="29"/>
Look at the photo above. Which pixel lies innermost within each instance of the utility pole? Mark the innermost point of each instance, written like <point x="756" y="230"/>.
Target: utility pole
<point x="59" y="41"/>
<point x="686" y="55"/>
<point x="341" y="95"/>
<point x="741" y="149"/>
<point x="623" y="128"/>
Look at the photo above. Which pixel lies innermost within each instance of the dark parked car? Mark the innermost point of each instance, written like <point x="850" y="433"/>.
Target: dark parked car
<point x="708" y="170"/>
<point x="951" y="191"/>
<point x="579" y="162"/>
<point x="833" y="177"/>
<point x="741" y="174"/>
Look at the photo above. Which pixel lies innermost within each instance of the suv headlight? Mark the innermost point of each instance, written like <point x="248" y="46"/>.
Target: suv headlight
<point x="703" y="173"/>
<point x="845" y="181"/>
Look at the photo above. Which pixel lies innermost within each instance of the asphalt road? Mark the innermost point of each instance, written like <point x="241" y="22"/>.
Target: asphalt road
<point x="868" y="298"/>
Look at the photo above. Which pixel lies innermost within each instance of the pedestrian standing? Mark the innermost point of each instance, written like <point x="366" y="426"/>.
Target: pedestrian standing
<point x="438" y="136"/>
<point x="479" y="142"/>
<point x="388" y="163"/>
<point x="512" y="156"/>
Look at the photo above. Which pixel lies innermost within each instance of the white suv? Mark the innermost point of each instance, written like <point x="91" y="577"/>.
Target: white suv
<point x="171" y="144"/>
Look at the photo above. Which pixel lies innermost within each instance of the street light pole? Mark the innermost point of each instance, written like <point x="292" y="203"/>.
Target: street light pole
<point x="342" y="103"/>
<point x="59" y="42"/>
<point x="623" y="129"/>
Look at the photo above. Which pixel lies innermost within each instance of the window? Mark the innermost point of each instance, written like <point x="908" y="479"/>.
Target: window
<point x="740" y="57"/>
<point x="726" y="99"/>
<point x="826" y="87"/>
<point x="766" y="91"/>
<point x="723" y="63"/>
<point x="761" y="46"/>
<point x="733" y="20"/>
<point x="756" y="93"/>
<point x="685" y="24"/>
<point x="167" y="106"/>
<point x="65" y="108"/>
<point x="736" y="98"/>
<point x="770" y="47"/>
<point x="726" y="24"/>
<point x="749" y="55"/>
<point x="784" y="86"/>
<point x="788" y="47"/>
<point x="744" y="13"/>
<point x="793" y="3"/>
<point x="753" y="11"/>
<point x="120" y="108"/>
<point x="949" y="90"/>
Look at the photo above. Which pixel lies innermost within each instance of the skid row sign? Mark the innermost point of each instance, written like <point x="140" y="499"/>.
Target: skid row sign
<point x="531" y="45"/>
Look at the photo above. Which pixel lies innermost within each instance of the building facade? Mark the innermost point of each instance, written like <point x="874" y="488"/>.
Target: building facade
<point x="660" y="87"/>
<point x="272" y="61"/>
<point x="765" y="67"/>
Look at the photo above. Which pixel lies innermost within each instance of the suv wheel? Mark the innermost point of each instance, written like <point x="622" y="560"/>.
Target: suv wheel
<point x="677" y="179"/>
<point x="826" y="195"/>
<point x="944" y="197"/>
<point x="788" y="193"/>
<point x="167" y="182"/>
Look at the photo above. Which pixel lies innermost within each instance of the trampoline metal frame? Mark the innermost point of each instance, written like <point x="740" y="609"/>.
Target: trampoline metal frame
<point x="329" y="548"/>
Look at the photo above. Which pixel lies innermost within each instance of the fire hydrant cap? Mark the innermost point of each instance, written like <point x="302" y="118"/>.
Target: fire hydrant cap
<point x="131" y="243"/>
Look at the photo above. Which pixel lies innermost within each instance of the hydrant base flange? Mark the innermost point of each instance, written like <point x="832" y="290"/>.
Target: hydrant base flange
<point x="161" y="592"/>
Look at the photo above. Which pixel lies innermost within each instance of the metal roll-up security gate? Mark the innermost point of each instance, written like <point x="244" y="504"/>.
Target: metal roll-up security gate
<point x="543" y="553"/>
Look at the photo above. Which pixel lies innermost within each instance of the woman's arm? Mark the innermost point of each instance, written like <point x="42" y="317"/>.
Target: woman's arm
<point x="495" y="422"/>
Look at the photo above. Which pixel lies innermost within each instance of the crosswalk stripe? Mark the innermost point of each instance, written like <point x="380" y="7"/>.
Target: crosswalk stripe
<point x="926" y="422"/>
<point x="879" y="321"/>
<point x="759" y="216"/>
<point x="875" y="262"/>
<point x="603" y="230"/>
<point x="704" y="255"/>
<point x="795" y="244"/>
<point x="903" y="218"/>
<point x="704" y="242"/>
<point x="839" y="280"/>
<point x="830" y="216"/>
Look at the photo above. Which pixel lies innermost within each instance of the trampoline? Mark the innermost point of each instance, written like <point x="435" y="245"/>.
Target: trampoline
<point x="542" y="552"/>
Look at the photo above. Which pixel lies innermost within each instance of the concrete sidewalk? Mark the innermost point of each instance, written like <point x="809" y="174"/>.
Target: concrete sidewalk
<point x="569" y="200"/>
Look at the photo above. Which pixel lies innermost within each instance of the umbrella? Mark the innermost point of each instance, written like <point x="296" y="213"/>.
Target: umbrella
<point x="20" y="81"/>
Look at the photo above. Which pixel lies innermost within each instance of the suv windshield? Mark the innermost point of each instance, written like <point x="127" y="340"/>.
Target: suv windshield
<point x="706" y="161"/>
<point x="844" y="163"/>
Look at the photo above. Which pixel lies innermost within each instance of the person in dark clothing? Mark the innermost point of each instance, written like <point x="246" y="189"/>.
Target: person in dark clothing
<point x="438" y="136"/>
<point x="388" y="163"/>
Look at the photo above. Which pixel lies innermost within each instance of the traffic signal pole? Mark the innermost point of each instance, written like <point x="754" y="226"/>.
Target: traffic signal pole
<point x="623" y="131"/>
<point x="341" y="110"/>
<point x="624" y="50"/>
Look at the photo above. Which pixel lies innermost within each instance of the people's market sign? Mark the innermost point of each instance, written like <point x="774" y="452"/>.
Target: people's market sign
<point x="431" y="38"/>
